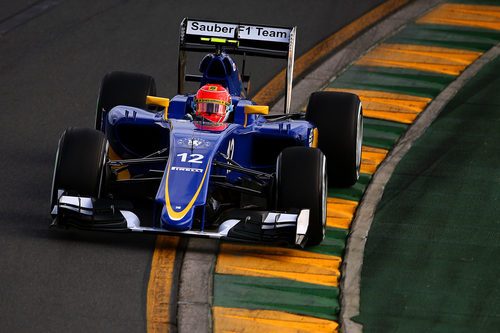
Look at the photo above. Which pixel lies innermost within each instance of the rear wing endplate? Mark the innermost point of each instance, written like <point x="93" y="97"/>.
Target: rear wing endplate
<point x="238" y="38"/>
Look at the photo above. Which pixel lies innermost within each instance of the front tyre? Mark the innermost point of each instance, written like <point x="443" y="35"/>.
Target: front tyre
<point x="302" y="184"/>
<point x="122" y="88"/>
<point x="80" y="166"/>
<point x="339" y="119"/>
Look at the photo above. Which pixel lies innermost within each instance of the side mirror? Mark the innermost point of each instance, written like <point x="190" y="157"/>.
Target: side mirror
<point x="256" y="109"/>
<point x="159" y="101"/>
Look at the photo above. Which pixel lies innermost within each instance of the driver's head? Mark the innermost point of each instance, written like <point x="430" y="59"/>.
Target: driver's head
<point x="213" y="102"/>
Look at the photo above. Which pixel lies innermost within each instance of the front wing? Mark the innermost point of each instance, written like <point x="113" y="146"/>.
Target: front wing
<point x="241" y="225"/>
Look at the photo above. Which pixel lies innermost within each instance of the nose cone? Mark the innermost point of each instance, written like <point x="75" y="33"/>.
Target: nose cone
<point x="182" y="224"/>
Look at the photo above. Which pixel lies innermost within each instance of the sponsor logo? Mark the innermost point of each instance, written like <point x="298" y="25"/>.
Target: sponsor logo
<point x="227" y="30"/>
<point x="211" y="29"/>
<point x="174" y="168"/>
<point x="195" y="143"/>
<point x="264" y="33"/>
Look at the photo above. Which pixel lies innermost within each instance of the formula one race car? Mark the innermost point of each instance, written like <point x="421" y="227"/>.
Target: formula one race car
<point x="212" y="163"/>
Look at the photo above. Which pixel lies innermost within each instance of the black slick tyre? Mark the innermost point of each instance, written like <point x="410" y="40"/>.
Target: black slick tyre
<point x="339" y="119"/>
<point x="123" y="88"/>
<point x="80" y="166"/>
<point x="301" y="183"/>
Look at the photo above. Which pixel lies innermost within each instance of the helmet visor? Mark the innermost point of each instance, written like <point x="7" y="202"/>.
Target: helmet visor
<point x="213" y="111"/>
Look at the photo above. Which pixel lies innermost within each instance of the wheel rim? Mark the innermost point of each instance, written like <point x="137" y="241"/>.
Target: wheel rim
<point x="53" y="194"/>
<point x="54" y="189"/>
<point x="359" y="140"/>
<point x="103" y="171"/>
<point x="324" y="196"/>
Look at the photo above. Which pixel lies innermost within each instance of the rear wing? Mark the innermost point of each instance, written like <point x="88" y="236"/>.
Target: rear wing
<point x="237" y="38"/>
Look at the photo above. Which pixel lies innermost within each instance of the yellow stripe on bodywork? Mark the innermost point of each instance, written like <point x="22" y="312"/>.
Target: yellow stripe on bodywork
<point x="478" y="16"/>
<point x="160" y="285"/>
<point x="420" y="57"/>
<point x="171" y="212"/>
<point x="278" y="263"/>
<point x="244" y="320"/>
<point x="389" y="106"/>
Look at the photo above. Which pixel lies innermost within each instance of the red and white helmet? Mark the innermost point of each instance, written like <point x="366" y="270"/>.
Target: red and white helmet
<point x="213" y="102"/>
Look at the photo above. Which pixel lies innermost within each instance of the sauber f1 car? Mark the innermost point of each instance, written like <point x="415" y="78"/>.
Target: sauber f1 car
<point x="151" y="164"/>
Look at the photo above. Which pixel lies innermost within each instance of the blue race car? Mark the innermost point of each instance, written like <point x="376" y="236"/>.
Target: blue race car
<point x="210" y="163"/>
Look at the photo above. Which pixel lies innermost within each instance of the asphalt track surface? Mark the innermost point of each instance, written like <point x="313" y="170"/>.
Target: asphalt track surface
<point x="51" y="64"/>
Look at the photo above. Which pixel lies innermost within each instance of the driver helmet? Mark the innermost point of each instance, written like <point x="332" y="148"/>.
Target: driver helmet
<point x="213" y="102"/>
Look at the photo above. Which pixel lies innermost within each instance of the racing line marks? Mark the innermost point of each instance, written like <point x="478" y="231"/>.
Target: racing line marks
<point x="26" y="15"/>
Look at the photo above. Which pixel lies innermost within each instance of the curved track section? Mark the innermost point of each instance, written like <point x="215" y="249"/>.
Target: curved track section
<point x="50" y="68"/>
<point x="458" y="40"/>
<point x="406" y="78"/>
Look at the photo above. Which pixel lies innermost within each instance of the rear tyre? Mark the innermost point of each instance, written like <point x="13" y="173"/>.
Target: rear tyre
<point x="80" y="166"/>
<point x="122" y="88"/>
<point x="302" y="184"/>
<point x="339" y="119"/>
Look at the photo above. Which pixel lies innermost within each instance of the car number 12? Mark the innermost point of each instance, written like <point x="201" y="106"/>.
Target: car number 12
<point x="193" y="158"/>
